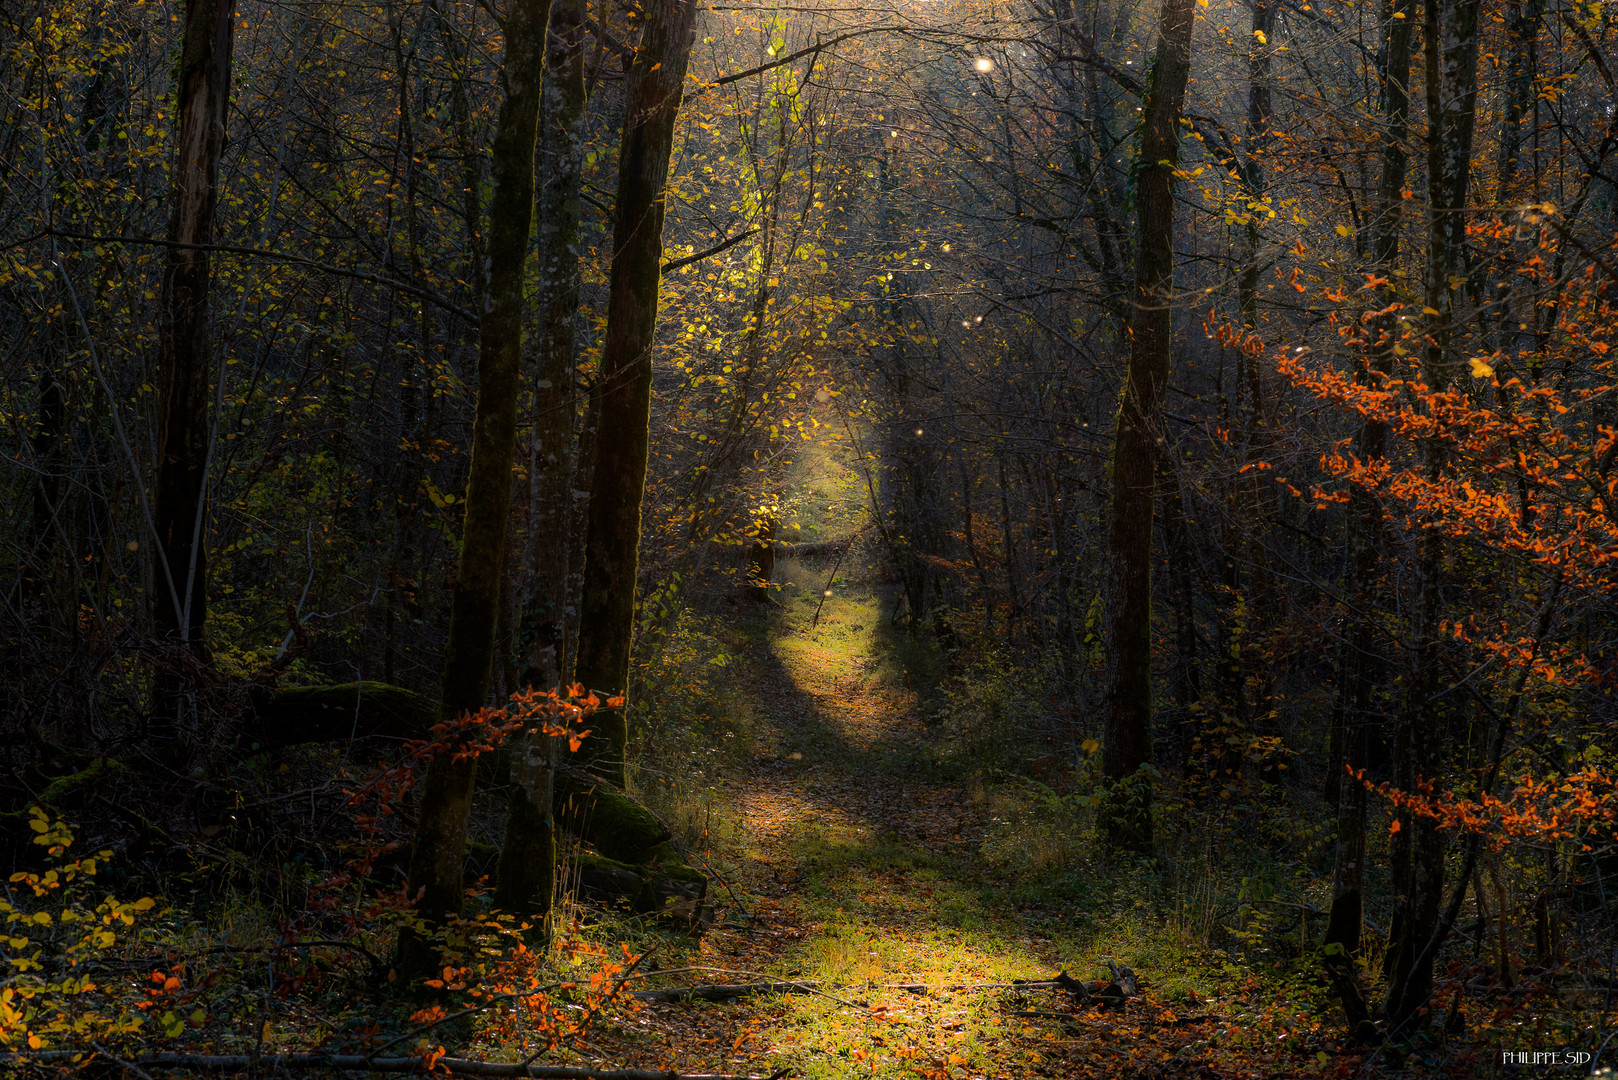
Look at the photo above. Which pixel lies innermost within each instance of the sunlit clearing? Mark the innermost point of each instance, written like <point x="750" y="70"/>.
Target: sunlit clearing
<point x="983" y="64"/>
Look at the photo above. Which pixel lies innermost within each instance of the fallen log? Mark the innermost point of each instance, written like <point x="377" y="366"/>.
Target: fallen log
<point x="720" y="992"/>
<point x="670" y="889"/>
<point x="295" y="715"/>
<point x="360" y="1063"/>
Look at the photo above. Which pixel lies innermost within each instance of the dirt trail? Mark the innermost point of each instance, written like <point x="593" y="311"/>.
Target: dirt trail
<point x="843" y="742"/>
<point x="860" y="869"/>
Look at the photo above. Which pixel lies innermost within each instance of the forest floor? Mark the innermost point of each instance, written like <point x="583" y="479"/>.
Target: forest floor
<point x="860" y="866"/>
<point x="873" y="825"/>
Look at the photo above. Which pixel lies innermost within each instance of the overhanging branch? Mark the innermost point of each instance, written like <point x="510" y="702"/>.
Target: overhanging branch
<point x="728" y="242"/>
<point x="263" y="253"/>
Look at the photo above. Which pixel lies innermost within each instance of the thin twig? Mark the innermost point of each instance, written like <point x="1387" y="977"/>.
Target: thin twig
<point x="489" y="1002"/>
<point x="832" y="577"/>
<point x="584" y="1024"/>
<point x="734" y="898"/>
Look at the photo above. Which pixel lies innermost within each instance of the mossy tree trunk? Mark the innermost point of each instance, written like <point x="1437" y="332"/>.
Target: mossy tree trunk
<point x="1128" y="750"/>
<point x="184" y="367"/>
<point x="446" y="801"/>
<point x="612" y="537"/>
<point x="526" y="873"/>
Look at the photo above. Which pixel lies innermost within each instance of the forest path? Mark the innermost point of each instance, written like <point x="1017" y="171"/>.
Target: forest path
<point x="851" y="864"/>
<point x="859" y="866"/>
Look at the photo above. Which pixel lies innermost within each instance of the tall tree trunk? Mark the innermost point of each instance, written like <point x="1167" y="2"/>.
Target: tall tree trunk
<point x="184" y="366"/>
<point x="1128" y="751"/>
<point x="1259" y="505"/>
<point x="526" y="873"/>
<point x="446" y="800"/>
<point x="1359" y="671"/>
<point x="612" y="539"/>
<point x="1522" y="68"/>
<point x="1451" y="60"/>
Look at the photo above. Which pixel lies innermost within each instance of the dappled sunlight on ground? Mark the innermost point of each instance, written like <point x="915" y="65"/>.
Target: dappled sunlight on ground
<point x="860" y="866"/>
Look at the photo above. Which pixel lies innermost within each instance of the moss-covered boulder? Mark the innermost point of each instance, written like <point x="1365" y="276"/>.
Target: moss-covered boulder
<point x="607" y="819"/>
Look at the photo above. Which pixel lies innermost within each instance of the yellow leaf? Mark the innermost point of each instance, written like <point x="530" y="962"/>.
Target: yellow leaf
<point x="1262" y="40"/>
<point x="1481" y="369"/>
<point x="1343" y="230"/>
<point x="1089" y="746"/>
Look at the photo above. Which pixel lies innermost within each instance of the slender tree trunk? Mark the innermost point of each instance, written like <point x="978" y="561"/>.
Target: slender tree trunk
<point x="28" y="596"/>
<point x="1260" y="115"/>
<point x="1451" y="60"/>
<point x="968" y="531"/>
<point x="526" y="873"/>
<point x="1134" y="461"/>
<point x="1259" y="495"/>
<point x="1008" y="552"/>
<point x="446" y="801"/>
<point x="1187" y="690"/>
<point x="184" y="367"/>
<point x="1522" y="66"/>
<point x="460" y="111"/>
<point x="1360" y="670"/>
<point x="612" y="539"/>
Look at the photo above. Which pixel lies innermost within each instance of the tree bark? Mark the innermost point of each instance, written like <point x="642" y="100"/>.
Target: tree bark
<point x="446" y="801"/>
<point x="1128" y="751"/>
<point x="525" y="876"/>
<point x="1359" y="671"/>
<point x="184" y="366"/>
<point x="612" y="539"/>
<point x="1451" y="60"/>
